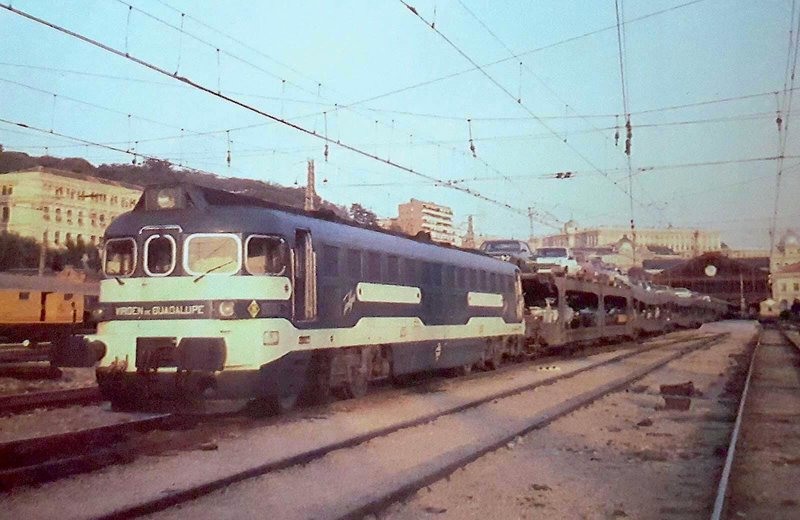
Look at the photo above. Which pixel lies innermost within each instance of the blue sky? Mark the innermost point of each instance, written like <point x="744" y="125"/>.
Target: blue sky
<point x="357" y="50"/>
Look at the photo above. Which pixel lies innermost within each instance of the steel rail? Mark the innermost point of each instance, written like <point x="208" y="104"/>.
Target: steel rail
<point x="177" y="497"/>
<point x="722" y="488"/>
<point x="16" y="403"/>
<point x="41" y="459"/>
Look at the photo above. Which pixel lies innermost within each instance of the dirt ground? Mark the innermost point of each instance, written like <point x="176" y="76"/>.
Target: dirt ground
<point x="624" y="456"/>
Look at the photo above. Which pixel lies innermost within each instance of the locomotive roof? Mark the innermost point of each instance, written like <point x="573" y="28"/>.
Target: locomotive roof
<point x="216" y="211"/>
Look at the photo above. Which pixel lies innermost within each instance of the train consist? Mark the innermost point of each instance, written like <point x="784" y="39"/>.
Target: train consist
<point x="38" y="308"/>
<point x="213" y="295"/>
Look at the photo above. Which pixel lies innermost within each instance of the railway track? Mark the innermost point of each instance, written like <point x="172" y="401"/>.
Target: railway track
<point x="42" y="459"/>
<point x="20" y="354"/>
<point x="763" y="457"/>
<point x="16" y="403"/>
<point x="288" y="447"/>
<point x="51" y="457"/>
<point x="443" y="442"/>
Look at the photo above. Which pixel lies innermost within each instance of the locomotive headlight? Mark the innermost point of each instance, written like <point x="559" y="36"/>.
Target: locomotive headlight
<point x="98" y="313"/>
<point x="167" y="198"/>
<point x="226" y="309"/>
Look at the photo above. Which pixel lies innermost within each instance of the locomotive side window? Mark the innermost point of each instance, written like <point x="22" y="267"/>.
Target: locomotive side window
<point x="373" y="267"/>
<point x="354" y="263"/>
<point x="267" y="255"/>
<point x="159" y="255"/>
<point x="330" y="261"/>
<point x="120" y="257"/>
<point x="411" y="271"/>
<point x="212" y="254"/>
<point x="392" y="269"/>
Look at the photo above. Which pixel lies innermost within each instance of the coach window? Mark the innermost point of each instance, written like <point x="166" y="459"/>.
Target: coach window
<point x="119" y="257"/>
<point x="159" y="255"/>
<point x="266" y="255"/>
<point x="212" y="254"/>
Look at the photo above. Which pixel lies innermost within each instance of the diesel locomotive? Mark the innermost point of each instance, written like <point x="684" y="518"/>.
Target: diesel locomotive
<point x="210" y="294"/>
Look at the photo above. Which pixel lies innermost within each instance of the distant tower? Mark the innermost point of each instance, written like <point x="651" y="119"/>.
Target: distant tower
<point x="469" y="238"/>
<point x="308" y="204"/>
<point x="530" y="223"/>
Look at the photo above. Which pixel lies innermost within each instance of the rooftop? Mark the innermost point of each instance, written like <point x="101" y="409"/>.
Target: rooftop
<point x="78" y="176"/>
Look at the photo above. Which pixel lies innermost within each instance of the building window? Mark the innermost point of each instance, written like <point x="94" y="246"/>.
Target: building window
<point x="24" y="295"/>
<point x="102" y="219"/>
<point x="6" y="213"/>
<point x="783" y="287"/>
<point x="44" y="238"/>
<point x="57" y="239"/>
<point x="93" y="240"/>
<point x="46" y="213"/>
<point x="796" y="286"/>
<point x="80" y="218"/>
<point x="69" y="237"/>
<point x="58" y="214"/>
<point x="69" y="216"/>
<point x="94" y="219"/>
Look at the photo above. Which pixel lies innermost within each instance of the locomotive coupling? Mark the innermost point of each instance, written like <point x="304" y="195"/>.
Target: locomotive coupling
<point x="76" y="351"/>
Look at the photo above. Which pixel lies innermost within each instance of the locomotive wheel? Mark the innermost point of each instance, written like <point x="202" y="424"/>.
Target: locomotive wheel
<point x="495" y="356"/>
<point x="356" y="383"/>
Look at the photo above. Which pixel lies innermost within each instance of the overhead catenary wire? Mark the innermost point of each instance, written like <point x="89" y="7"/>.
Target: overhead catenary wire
<point x="622" y="55"/>
<point x="101" y="145"/>
<point x="521" y="54"/>
<point x="782" y="120"/>
<point x="249" y="63"/>
<point x="530" y="71"/>
<point x="639" y="171"/>
<point x="507" y="92"/>
<point x="256" y="110"/>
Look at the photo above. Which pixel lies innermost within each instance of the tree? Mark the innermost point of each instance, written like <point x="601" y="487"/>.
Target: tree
<point x="362" y="215"/>
<point x="17" y="251"/>
<point x="80" y="255"/>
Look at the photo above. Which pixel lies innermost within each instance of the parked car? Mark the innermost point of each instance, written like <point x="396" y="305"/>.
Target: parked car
<point x="515" y="251"/>
<point x="555" y="260"/>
